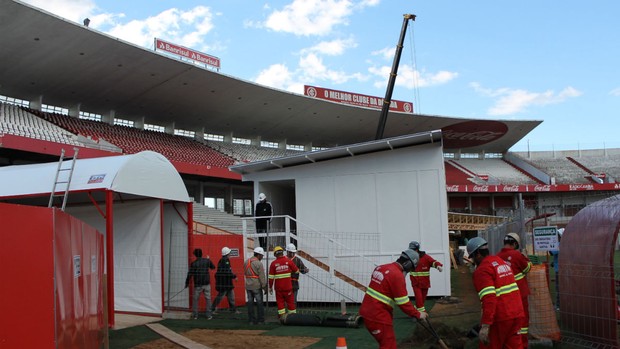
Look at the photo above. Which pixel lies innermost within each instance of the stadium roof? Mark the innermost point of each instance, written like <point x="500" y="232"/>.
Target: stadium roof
<point x="68" y="64"/>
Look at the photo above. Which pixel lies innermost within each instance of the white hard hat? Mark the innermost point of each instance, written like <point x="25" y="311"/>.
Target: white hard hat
<point x="561" y="231"/>
<point x="291" y="248"/>
<point x="225" y="251"/>
<point x="259" y="250"/>
<point x="512" y="237"/>
<point x="262" y="196"/>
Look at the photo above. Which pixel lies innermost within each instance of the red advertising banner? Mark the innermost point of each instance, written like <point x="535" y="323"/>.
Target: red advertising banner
<point x="530" y="188"/>
<point x="187" y="53"/>
<point x="356" y="99"/>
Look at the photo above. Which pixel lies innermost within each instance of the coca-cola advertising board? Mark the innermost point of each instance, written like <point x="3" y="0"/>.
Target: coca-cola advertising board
<point x="472" y="133"/>
<point x="356" y="99"/>
<point x="187" y="53"/>
<point x="529" y="188"/>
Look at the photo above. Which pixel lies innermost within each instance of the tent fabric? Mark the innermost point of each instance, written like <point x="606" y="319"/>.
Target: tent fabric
<point x="146" y="173"/>
<point x="137" y="252"/>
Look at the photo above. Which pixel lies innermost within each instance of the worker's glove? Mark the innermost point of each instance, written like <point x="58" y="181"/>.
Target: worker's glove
<point x="423" y="315"/>
<point x="440" y="268"/>
<point x="484" y="334"/>
<point x="271" y="291"/>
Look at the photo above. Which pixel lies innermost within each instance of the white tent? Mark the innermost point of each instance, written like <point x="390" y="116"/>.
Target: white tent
<point x="146" y="174"/>
<point x="137" y="200"/>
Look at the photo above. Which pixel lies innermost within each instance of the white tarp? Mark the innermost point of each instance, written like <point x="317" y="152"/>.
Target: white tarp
<point x="146" y="173"/>
<point x="137" y="253"/>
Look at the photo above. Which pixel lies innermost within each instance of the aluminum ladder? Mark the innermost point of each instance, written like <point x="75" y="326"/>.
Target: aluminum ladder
<point x="63" y="181"/>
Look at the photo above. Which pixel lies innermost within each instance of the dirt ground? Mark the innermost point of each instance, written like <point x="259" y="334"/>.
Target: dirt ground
<point x="242" y="339"/>
<point x="450" y="317"/>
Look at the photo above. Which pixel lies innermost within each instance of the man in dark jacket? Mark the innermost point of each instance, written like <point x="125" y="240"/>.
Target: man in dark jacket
<point x="263" y="209"/>
<point x="224" y="277"/>
<point x="199" y="272"/>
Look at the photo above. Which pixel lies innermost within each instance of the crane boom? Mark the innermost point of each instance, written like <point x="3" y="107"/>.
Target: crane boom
<point x="390" y="87"/>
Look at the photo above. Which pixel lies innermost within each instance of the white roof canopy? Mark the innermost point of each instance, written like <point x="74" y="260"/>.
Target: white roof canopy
<point x="147" y="174"/>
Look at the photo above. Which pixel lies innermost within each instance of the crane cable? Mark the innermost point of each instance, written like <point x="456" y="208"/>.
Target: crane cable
<point x="417" y="109"/>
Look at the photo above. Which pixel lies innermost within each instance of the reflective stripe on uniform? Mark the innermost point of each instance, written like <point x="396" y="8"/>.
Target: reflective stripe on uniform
<point x="280" y="276"/>
<point x="524" y="330"/>
<point x="507" y="289"/>
<point x="249" y="267"/>
<point x="420" y="273"/>
<point x="486" y="291"/>
<point x="527" y="269"/>
<point x="380" y="297"/>
<point x="281" y="311"/>
<point x="498" y="291"/>
<point x="401" y="300"/>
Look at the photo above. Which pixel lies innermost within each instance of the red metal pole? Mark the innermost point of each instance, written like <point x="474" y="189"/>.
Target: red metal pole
<point x="190" y="240"/>
<point x="109" y="235"/>
<point x="161" y="254"/>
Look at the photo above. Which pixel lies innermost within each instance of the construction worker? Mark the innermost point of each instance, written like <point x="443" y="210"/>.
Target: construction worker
<point x="502" y="310"/>
<point x="388" y="288"/>
<point x="199" y="272"/>
<point x="255" y="286"/>
<point x="280" y="278"/>
<point x="291" y="253"/>
<point x="263" y="208"/>
<point x="520" y="265"/>
<point x="224" y="286"/>
<point x="421" y="276"/>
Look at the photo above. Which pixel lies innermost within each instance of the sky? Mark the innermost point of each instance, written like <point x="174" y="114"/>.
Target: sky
<point x="554" y="61"/>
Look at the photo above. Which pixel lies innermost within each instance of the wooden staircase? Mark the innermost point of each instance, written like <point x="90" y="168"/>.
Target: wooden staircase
<point x="327" y="268"/>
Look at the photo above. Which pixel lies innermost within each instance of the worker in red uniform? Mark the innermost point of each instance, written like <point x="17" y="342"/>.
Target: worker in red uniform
<point x="502" y="310"/>
<point x="520" y="265"/>
<point x="388" y="288"/>
<point x="421" y="276"/>
<point x="280" y="278"/>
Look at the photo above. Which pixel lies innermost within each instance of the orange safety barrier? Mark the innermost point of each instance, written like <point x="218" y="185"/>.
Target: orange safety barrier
<point x="543" y="321"/>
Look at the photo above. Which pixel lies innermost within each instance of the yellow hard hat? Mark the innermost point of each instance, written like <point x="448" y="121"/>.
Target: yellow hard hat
<point x="278" y="249"/>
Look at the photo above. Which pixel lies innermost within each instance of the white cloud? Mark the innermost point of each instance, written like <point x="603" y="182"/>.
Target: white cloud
<point x="387" y="53"/>
<point x="277" y="76"/>
<point x="310" y="17"/>
<point x="510" y="101"/>
<point x="186" y="28"/>
<point x="313" y="69"/>
<point x="615" y="92"/>
<point x="332" y="48"/>
<point x="309" y="71"/>
<point x="365" y="3"/>
<point x="410" y="78"/>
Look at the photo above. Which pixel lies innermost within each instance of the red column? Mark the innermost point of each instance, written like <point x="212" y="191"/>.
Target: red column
<point x="190" y="239"/>
<point x="161" y="253"/>
<point x="109" y="236"/>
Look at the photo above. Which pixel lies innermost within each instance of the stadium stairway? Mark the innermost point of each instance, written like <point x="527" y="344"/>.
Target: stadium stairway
<point x="220" y="220"/>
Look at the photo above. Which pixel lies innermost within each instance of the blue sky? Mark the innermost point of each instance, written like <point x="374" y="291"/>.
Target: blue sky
<point x="554" y="61"/>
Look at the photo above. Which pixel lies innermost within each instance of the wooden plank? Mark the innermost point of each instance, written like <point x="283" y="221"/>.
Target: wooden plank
<point x="327" y="268"/>
<point x="175" y="337"/>
<point x="454" y="265"/>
